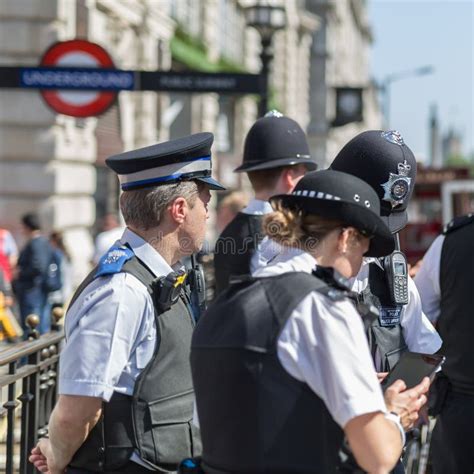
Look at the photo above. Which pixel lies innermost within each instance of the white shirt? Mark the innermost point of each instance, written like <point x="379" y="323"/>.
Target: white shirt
<point x="324" y="345"/>
<point x="257" y="207"/>
<point x="110" y="331"/>
<point x="112" y="326"/>
<point x="104" y="241"/>
<point x="418" y="332"/>
<point x="427" y="280"/>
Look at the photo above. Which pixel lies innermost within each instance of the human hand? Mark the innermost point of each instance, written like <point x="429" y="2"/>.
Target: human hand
<point x="42" y="458"/>
<point x="406" y="403"/>
<point x="381" y="376"/>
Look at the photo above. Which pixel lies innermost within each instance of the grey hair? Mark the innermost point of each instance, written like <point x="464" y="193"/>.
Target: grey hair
<point x="143" y="208"/>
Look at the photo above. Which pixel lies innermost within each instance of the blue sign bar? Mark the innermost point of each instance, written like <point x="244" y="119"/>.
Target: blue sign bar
<point x="77" y="78"/>
<point x="97" y="79"/>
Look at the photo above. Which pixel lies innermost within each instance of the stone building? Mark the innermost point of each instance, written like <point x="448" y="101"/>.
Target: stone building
<point x="339" y="58"/>
<point x="54" y="164"/>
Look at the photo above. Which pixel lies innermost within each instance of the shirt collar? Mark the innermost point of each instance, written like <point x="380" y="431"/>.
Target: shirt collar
<point x="146" y="253"/>
<point x="258" y="207"/>
<point x="289" y="259"/>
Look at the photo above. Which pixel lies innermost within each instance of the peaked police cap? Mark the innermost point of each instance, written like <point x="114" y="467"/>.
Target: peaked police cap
<point x="340" y="196"/>
<point x="274" y="141"/>
<point x="182" y="159"/>
<point x="383" y="160"/>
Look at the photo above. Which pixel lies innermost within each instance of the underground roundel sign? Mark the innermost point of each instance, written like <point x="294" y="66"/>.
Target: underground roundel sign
<point x="78" y="53"/>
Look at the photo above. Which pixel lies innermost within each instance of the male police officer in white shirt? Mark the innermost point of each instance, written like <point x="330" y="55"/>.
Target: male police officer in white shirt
<point x="276" y="156"/>
<point x="126" y="396"/>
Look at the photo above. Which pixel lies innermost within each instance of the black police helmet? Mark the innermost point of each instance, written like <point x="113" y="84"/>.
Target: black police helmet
<point x="274" y="141"/>
<point x="383" y="160"/>
<point x="335" y="195"/>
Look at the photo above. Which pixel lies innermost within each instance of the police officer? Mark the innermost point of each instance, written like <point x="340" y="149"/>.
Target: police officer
<point x="444" y="281"/>
<point x="126" y="396"/>
<point x="288" y="371"/>
<point x="383" y="160"/>
<point x="276" y="156"/>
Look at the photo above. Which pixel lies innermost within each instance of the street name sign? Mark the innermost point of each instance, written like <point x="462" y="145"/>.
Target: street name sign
<point x="78" y="78"/>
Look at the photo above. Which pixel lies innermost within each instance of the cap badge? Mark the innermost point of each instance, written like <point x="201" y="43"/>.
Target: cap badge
<point x="393" y="136"/>
<point x="273" y="113"/>
<point x="398" y="185"/>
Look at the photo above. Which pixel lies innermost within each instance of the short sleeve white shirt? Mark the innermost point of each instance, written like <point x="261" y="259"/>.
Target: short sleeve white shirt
<point x="324" y="345"/>
<point x="418" y="332"/>
<point x="110" y="330"/>
<point x="427" y="280"/>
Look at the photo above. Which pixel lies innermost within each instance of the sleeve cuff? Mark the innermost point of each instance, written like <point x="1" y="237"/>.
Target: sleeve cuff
<point x="370" y="403"/>
<point x="86" y="389"/>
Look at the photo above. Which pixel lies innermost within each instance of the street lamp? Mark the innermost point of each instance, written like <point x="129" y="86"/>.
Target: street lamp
<point x="396" y="76"/>
<point x="266" y="19"/>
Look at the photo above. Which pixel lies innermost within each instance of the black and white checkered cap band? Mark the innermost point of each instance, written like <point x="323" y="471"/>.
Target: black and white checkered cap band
<point x="316" y="195"/>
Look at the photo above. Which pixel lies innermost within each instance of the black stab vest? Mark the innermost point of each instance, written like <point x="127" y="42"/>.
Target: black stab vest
<point x="235" y="248"/>
<point x="456" y="320"/>
<point x="254" y="416"/>
<point x="157" y="420"/>
<point x="385" y="333"/>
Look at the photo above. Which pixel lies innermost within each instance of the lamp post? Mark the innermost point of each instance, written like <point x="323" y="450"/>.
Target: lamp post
<point x="396" y="76"/>
<point x="266" y="19"/>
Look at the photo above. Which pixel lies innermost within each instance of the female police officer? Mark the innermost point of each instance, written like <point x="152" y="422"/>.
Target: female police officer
<point x="280" y="363"/>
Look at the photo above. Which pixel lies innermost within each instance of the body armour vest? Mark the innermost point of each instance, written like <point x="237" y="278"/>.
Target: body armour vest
<point x="254" y="416"/>
<point x="456" y="320"/>
<point x="157" y="420"/>
<point x="385" y="332"/>
<point x="235" y="248"/>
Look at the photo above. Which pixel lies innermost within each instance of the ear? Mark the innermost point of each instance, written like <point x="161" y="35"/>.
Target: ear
<point x="287" y="179"/>
<point x="178" y="210"/>
<point x="343" y="240"/>
<point x="294" y="174"/>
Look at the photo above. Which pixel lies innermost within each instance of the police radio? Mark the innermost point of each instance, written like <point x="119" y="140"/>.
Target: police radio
<point x="396" y="270"/>
<point x="197" y="284"/>
<point x="167" y="289"/>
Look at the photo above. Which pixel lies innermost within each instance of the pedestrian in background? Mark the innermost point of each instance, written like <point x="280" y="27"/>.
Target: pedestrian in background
<point x="125" y="390"/>
<point x="228" y="208"/>
<point x="31" y="274"/>
<point x="281" y="365"/>
<point x="61" y="296"/>
<point x="444" y="281"/>
<point x="276" y="156"/>
<point x="8" y="254"/>
<point x="111" y="231"/>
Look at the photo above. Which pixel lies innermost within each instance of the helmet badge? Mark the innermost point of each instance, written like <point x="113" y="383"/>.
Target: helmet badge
<point x="273" y="113"/>
<point x="398" y="185"/>
<point x="393" y="136"/>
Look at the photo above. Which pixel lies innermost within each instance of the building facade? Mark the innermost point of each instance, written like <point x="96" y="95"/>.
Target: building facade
<point x="55" y="164"/>
<point x="339" y="58"/>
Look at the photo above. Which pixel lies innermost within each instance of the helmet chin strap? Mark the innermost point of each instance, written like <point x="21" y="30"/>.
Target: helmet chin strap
<point x="397" y="240"/>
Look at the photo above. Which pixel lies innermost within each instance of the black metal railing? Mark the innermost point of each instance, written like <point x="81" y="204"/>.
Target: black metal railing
<point x="28" y="370"/>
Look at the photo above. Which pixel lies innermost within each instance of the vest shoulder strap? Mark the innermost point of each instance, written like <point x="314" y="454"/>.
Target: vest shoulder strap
<point x="284" y="292"/>
<point x="457" y="223"/>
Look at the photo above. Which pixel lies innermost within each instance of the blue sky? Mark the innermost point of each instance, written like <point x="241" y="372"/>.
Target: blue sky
<point x="413" y="33"/>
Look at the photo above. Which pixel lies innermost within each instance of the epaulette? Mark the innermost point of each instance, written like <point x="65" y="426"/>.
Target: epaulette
<point x="114" y="260"/>
<point x="458" y="222"/>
